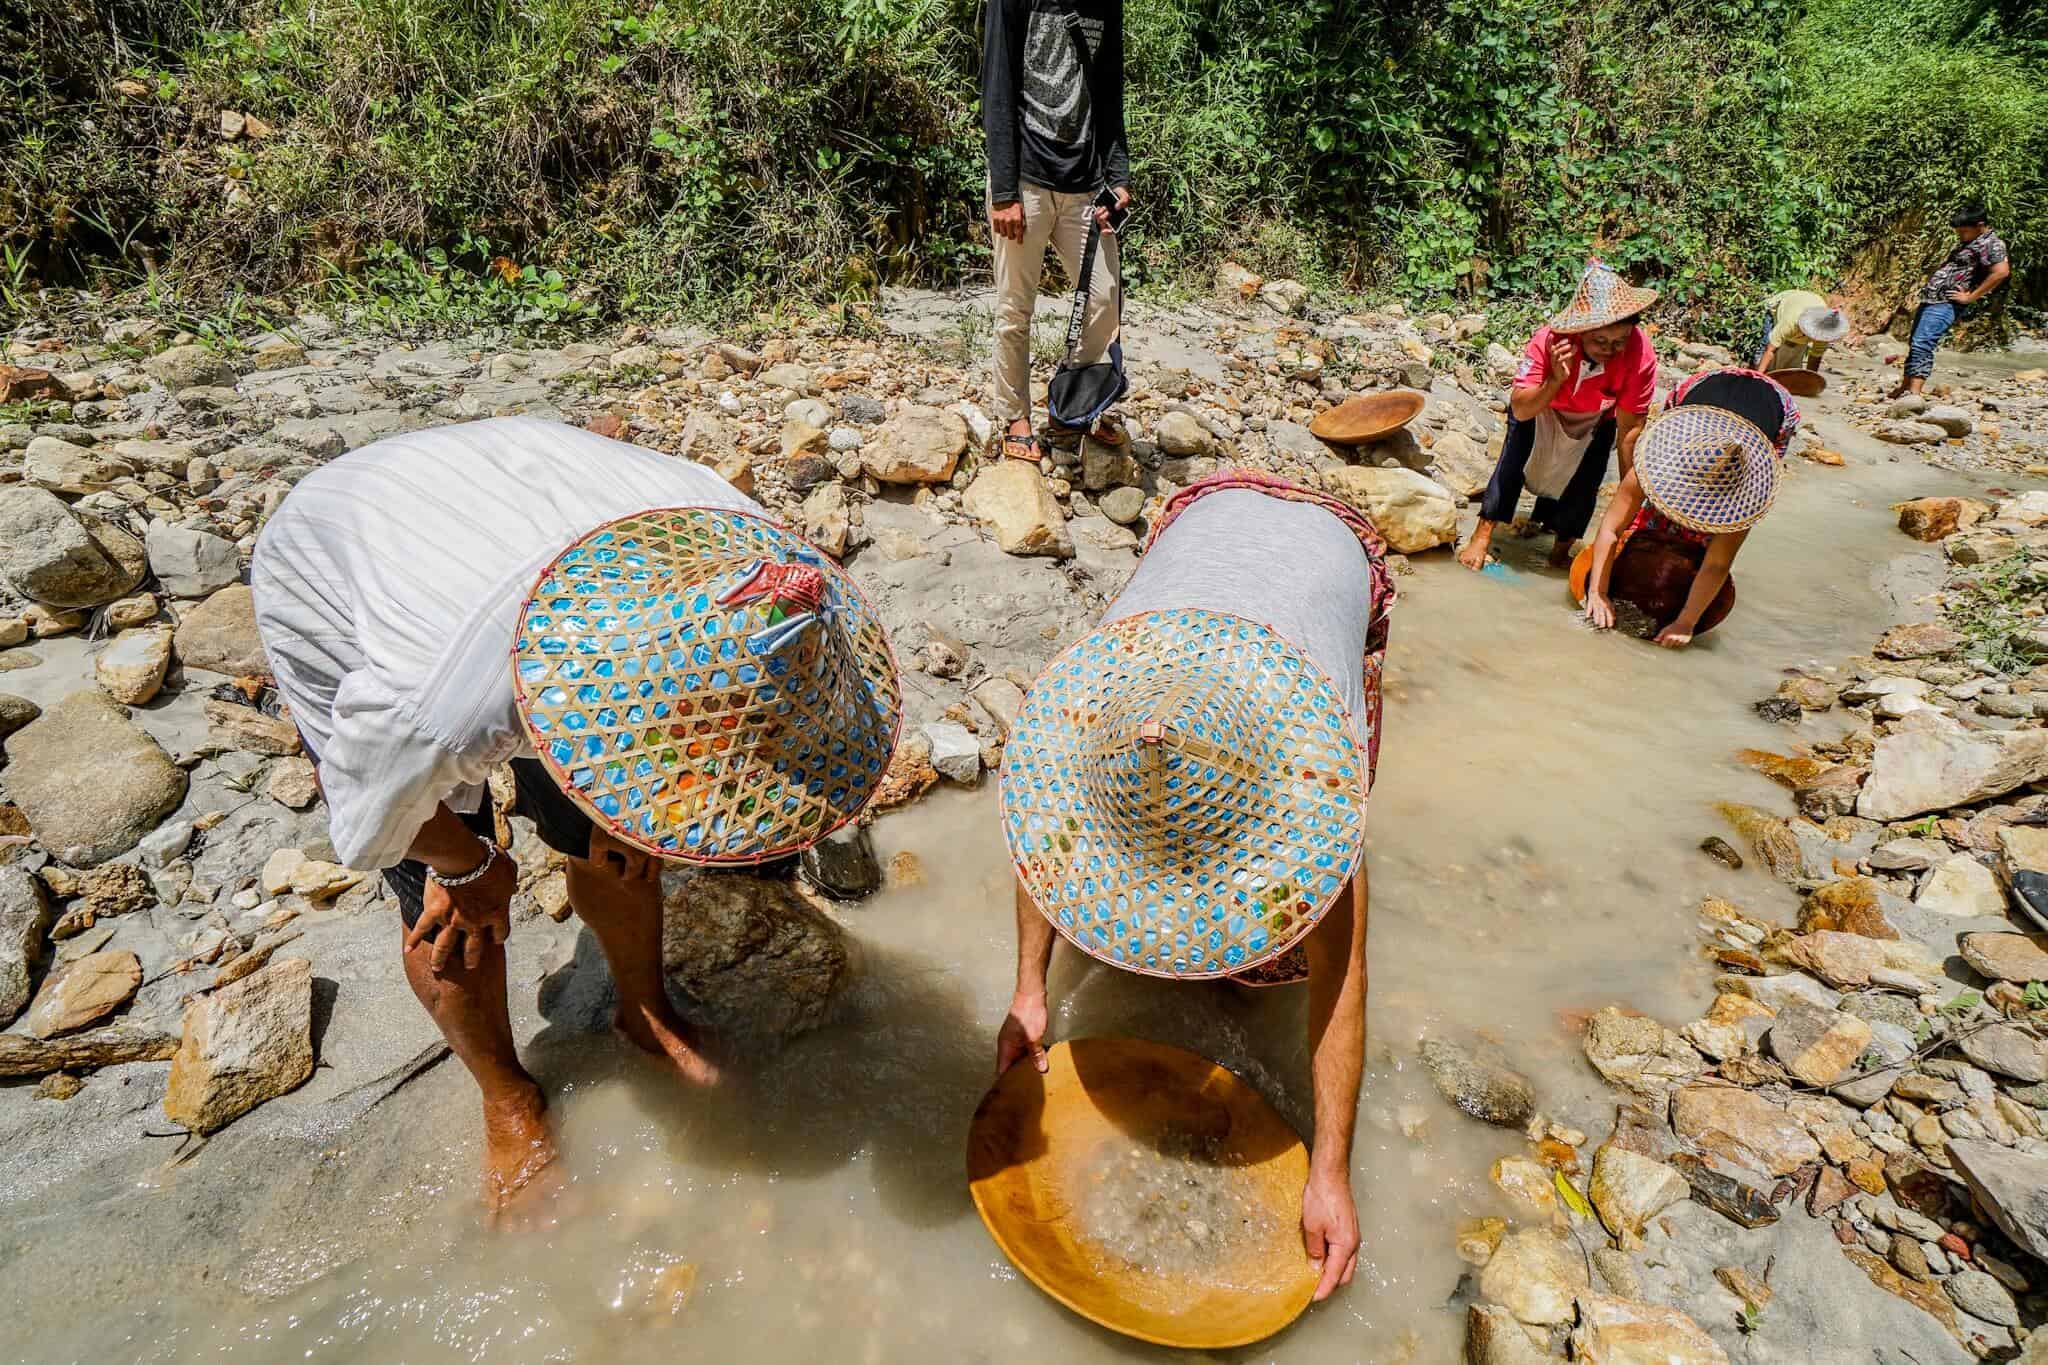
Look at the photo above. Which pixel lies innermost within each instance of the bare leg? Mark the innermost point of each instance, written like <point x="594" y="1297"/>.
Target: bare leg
<point x="625" y="914"/>
<point x="1561" y="552"/>
<point x="1473" y="556"/>
<point x="469" y="1008"/>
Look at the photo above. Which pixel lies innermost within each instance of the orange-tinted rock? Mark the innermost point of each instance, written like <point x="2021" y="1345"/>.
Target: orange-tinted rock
<point x="1853" y="905"/>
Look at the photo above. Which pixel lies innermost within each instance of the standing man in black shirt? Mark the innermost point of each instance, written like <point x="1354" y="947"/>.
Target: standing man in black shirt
<point x="1052" y="106"/>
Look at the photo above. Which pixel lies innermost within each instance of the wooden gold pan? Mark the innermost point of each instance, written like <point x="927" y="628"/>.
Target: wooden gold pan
<point x="1038" y="1141"/>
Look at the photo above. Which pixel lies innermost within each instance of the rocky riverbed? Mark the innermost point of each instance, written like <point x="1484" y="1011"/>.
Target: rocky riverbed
<point x="185" y="973"/>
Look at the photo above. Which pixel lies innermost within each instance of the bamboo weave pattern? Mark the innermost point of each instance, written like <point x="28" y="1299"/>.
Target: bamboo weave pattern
<point x="674" y="721"/>
<point x="1182" y="794"/>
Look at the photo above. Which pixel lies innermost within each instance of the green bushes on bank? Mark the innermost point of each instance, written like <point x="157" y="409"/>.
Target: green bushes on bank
<point x="533" y="160"/>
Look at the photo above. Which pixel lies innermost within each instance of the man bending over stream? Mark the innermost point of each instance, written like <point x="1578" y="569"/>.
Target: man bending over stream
<point x="629" y="632"/>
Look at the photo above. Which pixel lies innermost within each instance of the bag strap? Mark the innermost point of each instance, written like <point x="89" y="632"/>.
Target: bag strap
<point x="1077" y="319"/>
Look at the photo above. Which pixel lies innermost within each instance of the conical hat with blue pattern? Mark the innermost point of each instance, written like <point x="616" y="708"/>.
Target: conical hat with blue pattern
<point x="1183" y="794"/>
<point x="706" y="685"/>
<point x="1707" y="469"/>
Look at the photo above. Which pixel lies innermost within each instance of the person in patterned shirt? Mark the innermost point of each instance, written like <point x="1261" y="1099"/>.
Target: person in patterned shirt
<point x="1978" y="265"/>
<point x="1671" y="534"/>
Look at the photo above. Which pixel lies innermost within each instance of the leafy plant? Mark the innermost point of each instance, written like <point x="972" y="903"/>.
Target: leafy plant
<point x="726" y="155"/>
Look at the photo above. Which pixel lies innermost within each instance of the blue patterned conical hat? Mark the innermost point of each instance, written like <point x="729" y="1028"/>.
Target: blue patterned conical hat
<point x="706" y="685"/>
<point x="1184" y="794"/>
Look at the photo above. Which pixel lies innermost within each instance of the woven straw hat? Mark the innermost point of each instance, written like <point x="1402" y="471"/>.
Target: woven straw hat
<point x="1707" y="469"/>
<point x="1183" y="795"/>
<point x="1824" y="324"/>
<point x="1601" y="298"/>
<point x="706" y="686"/>
<point x="1065" y="1167"/>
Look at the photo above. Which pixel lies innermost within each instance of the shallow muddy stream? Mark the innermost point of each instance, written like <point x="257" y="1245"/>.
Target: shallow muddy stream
<point x="1533" y="841"/>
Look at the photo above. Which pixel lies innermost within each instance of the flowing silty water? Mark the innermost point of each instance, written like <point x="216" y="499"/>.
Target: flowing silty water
<point x="1541" y="793"/>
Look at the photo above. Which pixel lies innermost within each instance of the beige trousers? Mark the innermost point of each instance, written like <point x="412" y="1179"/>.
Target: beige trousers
<point x="1062" y="220"/>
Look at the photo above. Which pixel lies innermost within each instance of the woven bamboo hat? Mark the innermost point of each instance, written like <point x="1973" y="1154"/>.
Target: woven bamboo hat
<point x="1066" y="1169"/>
<point x="1182" y="794"/>
<point x="1707" y="469"/>
<point x="1602" y="297"/>
<point x="706" y="686"/>
<point x="1824" y="324"/>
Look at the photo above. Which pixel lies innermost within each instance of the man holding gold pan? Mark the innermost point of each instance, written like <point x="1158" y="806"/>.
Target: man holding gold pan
<point x="1184" y="792"/>
<point x="670" y="674"/>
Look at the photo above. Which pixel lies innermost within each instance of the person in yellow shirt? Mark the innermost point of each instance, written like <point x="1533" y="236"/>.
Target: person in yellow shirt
<point x="1799" y="326"/>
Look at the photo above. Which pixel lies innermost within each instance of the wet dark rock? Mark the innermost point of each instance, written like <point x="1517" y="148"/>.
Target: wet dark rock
<point x="1482" y="1086"/>
<point x="747" y="954"/>
<point x="1783" y="710"/>
<point x="1736" y="1194"/>
<point x="1719" y="849"/>
<point x="806" y="472"/>
<point x="843" y="864"/>
<point x="16" y="712"/>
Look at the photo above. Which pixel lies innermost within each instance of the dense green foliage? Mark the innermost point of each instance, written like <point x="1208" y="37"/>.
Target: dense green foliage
<point x="528" y="160"/>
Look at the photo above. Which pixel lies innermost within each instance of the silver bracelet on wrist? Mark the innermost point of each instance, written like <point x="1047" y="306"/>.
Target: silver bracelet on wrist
<point x="490" y="856"/>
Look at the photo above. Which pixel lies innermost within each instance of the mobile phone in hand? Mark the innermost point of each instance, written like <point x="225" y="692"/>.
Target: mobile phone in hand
<point x="1118" y="214"/>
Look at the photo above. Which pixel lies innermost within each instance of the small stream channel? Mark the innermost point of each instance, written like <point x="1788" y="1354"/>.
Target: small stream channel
<point x="1533" y="842"/>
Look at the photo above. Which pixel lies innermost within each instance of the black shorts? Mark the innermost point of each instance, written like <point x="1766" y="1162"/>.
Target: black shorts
<point x="561" y="823"/>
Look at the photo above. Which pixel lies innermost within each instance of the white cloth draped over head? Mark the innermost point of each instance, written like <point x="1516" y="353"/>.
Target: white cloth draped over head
<point x="1290" y="566"/>
<point x="388" y="589"/>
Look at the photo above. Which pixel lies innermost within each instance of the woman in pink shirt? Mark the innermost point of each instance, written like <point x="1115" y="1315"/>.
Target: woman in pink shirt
<point x="1583" y="389"/>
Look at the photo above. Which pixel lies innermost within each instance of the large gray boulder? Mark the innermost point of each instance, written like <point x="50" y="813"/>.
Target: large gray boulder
<point x="90" y="782"/>
<point x="191" y="563"/>
<point x="2011" y="1186"/>
<point x="1931" y="763"/>
<point x="59" y="559"/>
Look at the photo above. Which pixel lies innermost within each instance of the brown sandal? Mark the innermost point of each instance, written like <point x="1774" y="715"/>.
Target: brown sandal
<point x="1029" y="441"/>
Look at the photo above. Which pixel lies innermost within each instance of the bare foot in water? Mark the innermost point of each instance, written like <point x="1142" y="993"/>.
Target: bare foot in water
<point x="518" y="1148"/>
<point x="1561" y="552"/>
<point x="1473" y="556"/>
<point x="666" y="1038"/>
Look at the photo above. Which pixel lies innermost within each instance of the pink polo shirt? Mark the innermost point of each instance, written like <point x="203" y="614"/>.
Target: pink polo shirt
<point x="1628" y="381"/>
